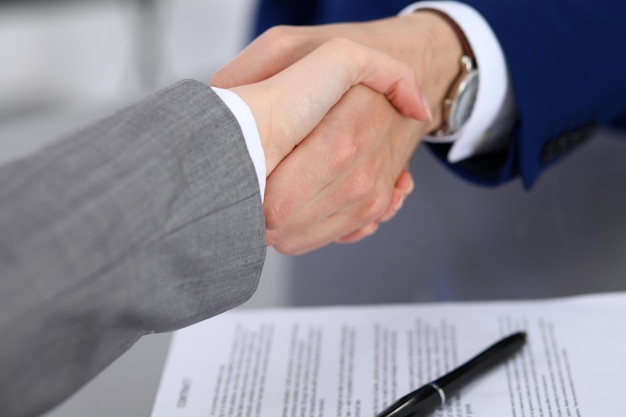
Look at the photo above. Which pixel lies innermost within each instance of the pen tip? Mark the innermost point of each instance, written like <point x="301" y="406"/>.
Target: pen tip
<point x="520" y="335"/>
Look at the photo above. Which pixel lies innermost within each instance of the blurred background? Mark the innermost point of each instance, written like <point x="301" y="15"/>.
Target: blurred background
<point x="64" y="64"/>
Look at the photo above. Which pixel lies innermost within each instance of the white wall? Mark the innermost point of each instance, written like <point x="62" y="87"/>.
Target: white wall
<point x="62" y="67"/>
<point x="88" y="51"/>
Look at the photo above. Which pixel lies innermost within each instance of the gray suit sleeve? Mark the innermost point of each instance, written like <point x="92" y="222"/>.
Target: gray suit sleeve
<point x="146" y="222"/>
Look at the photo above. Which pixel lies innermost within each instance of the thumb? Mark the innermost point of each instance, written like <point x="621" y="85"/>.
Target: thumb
<point x="290" y="104"/>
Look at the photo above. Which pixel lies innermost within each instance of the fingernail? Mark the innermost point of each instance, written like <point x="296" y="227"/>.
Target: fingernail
<point x="411" y="186"/>
<point x="399" y="206"/>
<point x="428" y="112"/>
<point x="395" y="199"/>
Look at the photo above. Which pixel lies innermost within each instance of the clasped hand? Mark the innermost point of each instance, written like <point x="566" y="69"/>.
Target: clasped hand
<point x="338" y="121"/>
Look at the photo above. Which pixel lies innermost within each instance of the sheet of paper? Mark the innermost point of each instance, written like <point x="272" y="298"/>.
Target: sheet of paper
<point x="354" y="361"/>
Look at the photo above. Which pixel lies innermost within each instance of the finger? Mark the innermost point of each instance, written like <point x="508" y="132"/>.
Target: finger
<point x="397" y="199"/>
<point x="290" y="104"/>
<point x="324" y="157"/>
<point x="328" y="227"/>
<point x="325" y="226"/>
<point x="360" y="234"/>
<point x="270" y="53"/>
<point x="404" y="186"/>
<point x="320" y="234"/>
<point x="303" y="236"/>
<point x="340" y="162"/>
<point x="405" y="183"/>
<point x="330" y="71"/>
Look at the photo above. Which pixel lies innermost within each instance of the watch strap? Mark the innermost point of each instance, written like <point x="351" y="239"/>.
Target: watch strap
<point x="467" y="62"/>
<point x="465" y="45"/>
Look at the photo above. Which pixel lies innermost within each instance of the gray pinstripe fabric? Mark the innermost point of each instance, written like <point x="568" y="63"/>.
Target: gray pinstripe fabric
<point x="145" y="222"/>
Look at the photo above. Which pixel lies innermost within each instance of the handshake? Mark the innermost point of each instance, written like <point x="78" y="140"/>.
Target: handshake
<point x="340" y="110"/>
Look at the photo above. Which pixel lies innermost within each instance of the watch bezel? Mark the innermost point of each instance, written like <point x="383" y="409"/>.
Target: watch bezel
<point x="468" y="85"/>
<point x="467" y="73"/>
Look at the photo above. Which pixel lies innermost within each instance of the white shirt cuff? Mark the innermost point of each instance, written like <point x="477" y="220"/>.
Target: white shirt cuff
<point x="250" y="132"/>
<point x="494" y="112"/>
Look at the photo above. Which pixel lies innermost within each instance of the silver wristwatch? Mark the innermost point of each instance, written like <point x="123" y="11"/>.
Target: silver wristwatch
<point x="460" y="97"/>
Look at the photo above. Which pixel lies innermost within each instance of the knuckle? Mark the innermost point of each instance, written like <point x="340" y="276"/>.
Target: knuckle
<point x="345" y="47"/>
<point x="344" y="154"/>
<point x="373" y="228"/>
<point x="284" y="248"/>
<point x="277" y="212"/>
<point x="346" y="51"/>
<point x="375" y="207"/>
<point x="282" y="36"/>
<point x="339" y="43"/>
<point x="279" y="240"/>
<point x="361" y="184"/>
<point x="272" y="238"/>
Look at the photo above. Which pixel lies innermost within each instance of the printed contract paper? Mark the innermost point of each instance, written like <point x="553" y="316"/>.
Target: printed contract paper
<point x="355" y="361"/>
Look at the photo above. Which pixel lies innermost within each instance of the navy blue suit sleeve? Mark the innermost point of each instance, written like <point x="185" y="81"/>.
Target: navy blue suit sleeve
<point x="285" y="12"/>
<point x="567" y="73"/>
<point x="565" y="65"/>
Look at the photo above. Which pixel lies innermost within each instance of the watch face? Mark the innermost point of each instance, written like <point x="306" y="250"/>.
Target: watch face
<point x="464" y="103"/>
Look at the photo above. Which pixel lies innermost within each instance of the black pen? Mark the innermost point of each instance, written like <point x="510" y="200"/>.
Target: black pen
<point x="424" y="400"/>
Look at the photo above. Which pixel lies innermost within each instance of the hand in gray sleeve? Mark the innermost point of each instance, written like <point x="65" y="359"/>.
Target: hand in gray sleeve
<point x="151" y="220"/>
<point x="145" y="222"/>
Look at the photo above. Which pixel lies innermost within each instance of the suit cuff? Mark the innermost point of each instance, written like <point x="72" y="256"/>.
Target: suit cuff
<point x="250" y="132"/>
<point x="494" y="113"/>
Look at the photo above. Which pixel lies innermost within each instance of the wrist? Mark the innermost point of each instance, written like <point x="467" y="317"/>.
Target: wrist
<point x="258" y="100"/>
<point x="432" y="48"/>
